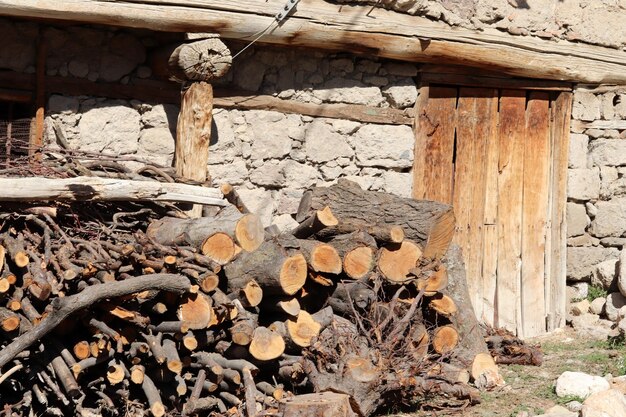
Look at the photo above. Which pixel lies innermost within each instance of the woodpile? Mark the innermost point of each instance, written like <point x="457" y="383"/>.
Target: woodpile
<point x="105" y="310"/>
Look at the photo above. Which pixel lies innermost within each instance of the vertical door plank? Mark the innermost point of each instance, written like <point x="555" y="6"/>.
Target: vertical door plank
<point x="535" y="212"/>
<point x="556" y="258"/>
<point x="490" y="231"/>
<point x="474" y="118"/>
<point x="433" y="169"/>
<point x="511" y="132"/>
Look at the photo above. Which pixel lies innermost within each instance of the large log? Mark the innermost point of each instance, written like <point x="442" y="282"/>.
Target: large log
<point x="104" y="189"/>
<point x="215" y="236"/>
<point x="419" y="219"/>
<point x="358" y="28"/>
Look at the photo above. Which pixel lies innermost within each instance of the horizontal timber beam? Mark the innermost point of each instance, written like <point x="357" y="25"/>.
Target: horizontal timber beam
<point x="169" y="92"/>
<point x="318" y="24"/>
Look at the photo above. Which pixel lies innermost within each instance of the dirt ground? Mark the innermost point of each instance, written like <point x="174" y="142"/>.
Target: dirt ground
<point x="531" y="388"/>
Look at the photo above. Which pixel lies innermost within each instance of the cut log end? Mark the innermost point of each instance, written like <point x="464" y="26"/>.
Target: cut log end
<point x="293" y="274"/>
<point x="359" y="262"/>
<point x="196" y="311"/>
<point x="395" y="261"/>
<point x="443" y="305"/>
<point x="324" y="258"/>
<point x="266" y="345"/>
<point x="304" y="329"/>
<point x="436" y="282"/>
<point x="445" y="339"/>
<point x="250" y="232"/>
<point x="253" y="293"/>
<point x="219" y="247"/>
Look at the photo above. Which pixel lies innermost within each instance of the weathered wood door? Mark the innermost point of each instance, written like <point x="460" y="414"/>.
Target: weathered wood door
<point x="500" y="157"/>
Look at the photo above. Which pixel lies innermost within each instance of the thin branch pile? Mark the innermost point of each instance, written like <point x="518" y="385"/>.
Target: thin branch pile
<point x="115" y="309"/>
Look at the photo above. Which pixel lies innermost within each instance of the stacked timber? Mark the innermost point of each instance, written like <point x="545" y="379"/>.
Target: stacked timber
<point x="193" y="316"/>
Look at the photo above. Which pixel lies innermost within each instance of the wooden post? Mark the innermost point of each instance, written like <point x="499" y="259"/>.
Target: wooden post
<point x="36" y="137"/>
<point x="197" y="63"/>
<point x="193" y="134"/>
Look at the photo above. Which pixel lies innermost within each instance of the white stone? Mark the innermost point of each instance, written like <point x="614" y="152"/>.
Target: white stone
<point x="608" y="176"/>
<point x="579" y="384"/>
<point x="591" y="326"/>
<point x="575" y="406"/>
<point x="597" y="306"/>
<point x="610" y="152"/>
<point x="270" y="175"/>
<point x="234" y="173"/>
<point x="161" y="115"/>
<point x="260" y="202"/>
<point x="610" y="219"/>
<point x="578" y="151"/>
<point x="364" y="181"/>
<point x="577" y="219"/>
<point x="323" y="144"/>
<point x="620" y="107"/>
<point x="401" y="94"/>
<point x="270" y="134"/>
<point x="591" y="210"/>
<point x="345" y="127"/>
<point x="586" y="106"/>
<point x="398" y="183"/>
<point x="157" y="143"/>
<point x="581" y="261"/>
<point x="111" y="128"/>
<point x="614" y="302"/>
<point x="341" y="90"/>
<point x="284" y="222"/>
<point x="384" y="146"/>
<point x="288" y="200"/>
<point x="581" y="290"/>
<point x="331" y="173"/>
<point x="224" y="146"/>
<point x="609" y="403"/>
<point x="583" y="184"/>
<point x="604" y="274"/>
<point x="299" y="175"/>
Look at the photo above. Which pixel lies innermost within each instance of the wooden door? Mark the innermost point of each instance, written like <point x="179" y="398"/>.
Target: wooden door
<point x="499" y="156"/>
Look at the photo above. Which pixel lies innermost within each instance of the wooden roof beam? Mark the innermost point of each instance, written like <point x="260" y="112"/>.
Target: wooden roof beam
<point x="323" y="25"/>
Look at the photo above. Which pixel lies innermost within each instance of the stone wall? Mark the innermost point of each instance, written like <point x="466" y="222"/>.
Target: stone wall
<point x="272" y="157"/>
<point x="596" y="208"/>
<point x="599" y="22"/>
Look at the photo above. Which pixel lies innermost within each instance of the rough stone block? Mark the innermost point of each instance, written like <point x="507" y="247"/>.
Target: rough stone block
<point x="614" y="302"/>
<point x="579" y="384"/>
<point x="610" y="219"/>
<point x="583" y="240"/>
<point x="609" y="152"/>
<point x="398" y="183"/>
<point x="597" y="306"/>
<point x="605" y="274"/>
<point x="607" y="403"/>
<point x="581" y="261"/>
<point x="111" y="127"/>
<point x="608" y="176"/>
<point x="161" y="115"/>
<point x="234" y="173"/>
<point x="577" y="219"/>
<point x="269" y="175"/>
<point x="586" y="107"/>
<point x="269" y="128"/>
<point x="384" y="146"/>
<point x="323" y="144"/>
<point x="260" y="202"/>
<point x="157" y="143"/>
<point x="401" y="94"/>
<point x="299" y="175"/>
<point x="578" y="151"/>
<point x="341" y="90"/>
<point x="583" y="184"/>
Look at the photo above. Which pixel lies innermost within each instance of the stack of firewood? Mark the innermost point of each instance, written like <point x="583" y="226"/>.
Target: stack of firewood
<point x="176" y="315"/>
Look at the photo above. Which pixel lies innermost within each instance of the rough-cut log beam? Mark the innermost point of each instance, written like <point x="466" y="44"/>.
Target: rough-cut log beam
<point x="320" y="24"/>
<point x="104" y="189"/>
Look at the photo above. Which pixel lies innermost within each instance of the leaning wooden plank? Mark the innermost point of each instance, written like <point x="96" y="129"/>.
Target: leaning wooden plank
<point x="490" y="220"/>
<point x="535" y="212"/>
<point x="555" y="280"/>
<point x="510" y="166"/>
<point x="321" y="24"/>
<point x="434" y="144"/>
<point x="105" y="189"/>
